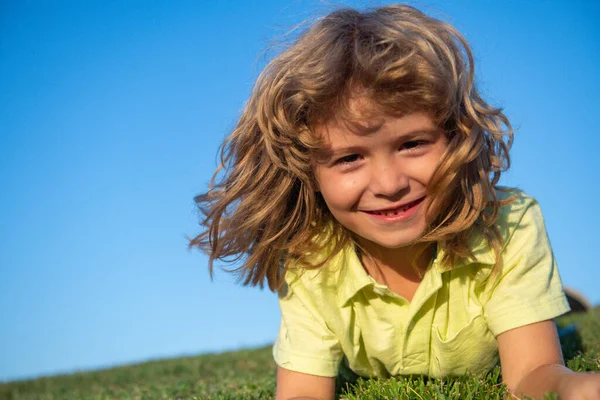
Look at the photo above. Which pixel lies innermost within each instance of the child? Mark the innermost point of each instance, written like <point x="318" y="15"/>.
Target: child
<point x="361" y="182"/>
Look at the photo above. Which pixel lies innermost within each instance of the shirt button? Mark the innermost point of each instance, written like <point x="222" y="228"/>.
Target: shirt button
<point x="379" y="291"/>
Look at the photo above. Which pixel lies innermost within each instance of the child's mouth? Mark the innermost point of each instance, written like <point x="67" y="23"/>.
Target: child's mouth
<point x="399" y="210"/>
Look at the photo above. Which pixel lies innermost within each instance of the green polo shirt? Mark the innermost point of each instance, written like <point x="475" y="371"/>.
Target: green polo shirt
<point x="340" y="314"/>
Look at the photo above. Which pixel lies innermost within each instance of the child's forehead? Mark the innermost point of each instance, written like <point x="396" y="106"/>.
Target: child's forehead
<point x="361" y="116"/>
<point x="364" y="126"/>
<point x="358" y="114"/>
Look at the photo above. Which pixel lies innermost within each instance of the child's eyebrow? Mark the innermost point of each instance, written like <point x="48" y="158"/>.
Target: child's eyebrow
<point x="407" y="134"/>
<point x="328" y="153"/>
<point x="325" y="154"/>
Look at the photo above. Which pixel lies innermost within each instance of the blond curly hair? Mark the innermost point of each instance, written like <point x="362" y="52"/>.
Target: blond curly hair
<point x="262" y="211"/>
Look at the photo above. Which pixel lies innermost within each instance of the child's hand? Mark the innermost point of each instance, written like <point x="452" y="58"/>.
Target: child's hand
<point x="532" y="365"/>
<point x="579" y="386"/>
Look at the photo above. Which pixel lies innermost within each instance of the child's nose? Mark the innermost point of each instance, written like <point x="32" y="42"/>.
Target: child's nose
<point x="388" y="180"/>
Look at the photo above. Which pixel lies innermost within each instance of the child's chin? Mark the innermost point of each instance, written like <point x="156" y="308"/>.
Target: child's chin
<point x="399" y="243"/>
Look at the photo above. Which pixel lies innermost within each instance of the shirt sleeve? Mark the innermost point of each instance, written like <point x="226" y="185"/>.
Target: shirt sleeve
<point x="305" y="343"/>
<point x="527" y="288"/>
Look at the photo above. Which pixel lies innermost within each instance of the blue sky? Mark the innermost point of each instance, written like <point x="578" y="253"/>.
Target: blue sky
<point x="111" y="113"/>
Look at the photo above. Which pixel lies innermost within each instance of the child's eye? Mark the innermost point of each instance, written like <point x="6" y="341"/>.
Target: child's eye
<point x="413" y="145"/>
<point x="349" y="159"/>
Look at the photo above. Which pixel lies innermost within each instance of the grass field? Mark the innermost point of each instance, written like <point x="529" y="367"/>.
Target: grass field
<point x="250" y="374"/>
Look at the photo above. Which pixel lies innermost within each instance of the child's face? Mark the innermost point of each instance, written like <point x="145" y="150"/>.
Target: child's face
<point x="374" y="182"/>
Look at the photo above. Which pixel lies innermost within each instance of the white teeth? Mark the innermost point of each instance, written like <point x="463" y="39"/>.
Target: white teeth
<point x="390" y="213"/>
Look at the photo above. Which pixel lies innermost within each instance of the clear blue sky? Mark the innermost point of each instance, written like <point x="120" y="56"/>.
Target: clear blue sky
<point x="110" y="116"/>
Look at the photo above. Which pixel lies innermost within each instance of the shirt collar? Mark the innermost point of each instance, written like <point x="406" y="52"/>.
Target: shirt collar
<point x="353" y="276"/>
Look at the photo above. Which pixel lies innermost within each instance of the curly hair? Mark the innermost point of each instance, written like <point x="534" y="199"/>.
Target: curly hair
<point x="262" y="210"/>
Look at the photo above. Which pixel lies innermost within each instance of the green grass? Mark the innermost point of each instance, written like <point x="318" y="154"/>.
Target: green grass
<point x="250" y="374"/>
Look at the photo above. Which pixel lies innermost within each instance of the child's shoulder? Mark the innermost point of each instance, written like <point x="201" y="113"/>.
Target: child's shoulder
<point x="519" y="219"/>
<point x="327" y="280"/>
<point x="513" y="200"/>
<point x="515" y="205"/>
<point x="326" y="274"/>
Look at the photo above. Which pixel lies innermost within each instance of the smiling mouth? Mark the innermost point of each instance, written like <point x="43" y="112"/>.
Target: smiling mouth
<point x="399" y="210"/>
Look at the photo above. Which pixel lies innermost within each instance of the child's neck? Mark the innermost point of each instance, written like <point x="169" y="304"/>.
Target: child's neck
<point x="398" y="269"/>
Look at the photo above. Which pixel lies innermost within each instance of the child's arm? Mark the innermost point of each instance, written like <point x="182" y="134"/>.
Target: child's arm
<point x="293" y="385"/>
<point x="532" y="365"/>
